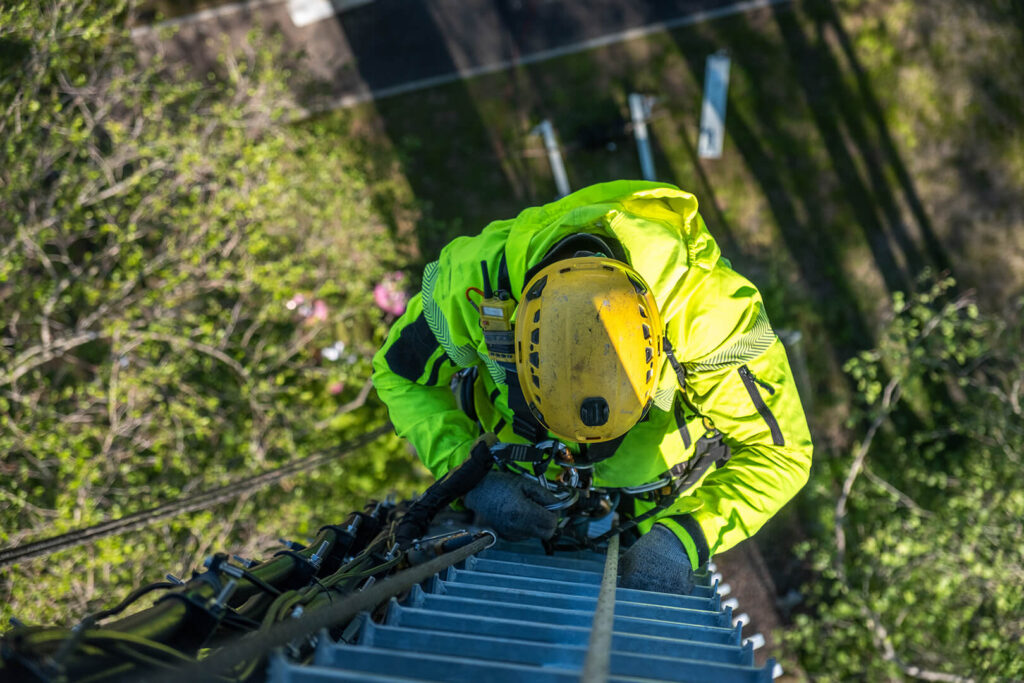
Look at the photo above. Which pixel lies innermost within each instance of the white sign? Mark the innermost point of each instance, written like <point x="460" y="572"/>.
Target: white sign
<point x="712" y="113"/>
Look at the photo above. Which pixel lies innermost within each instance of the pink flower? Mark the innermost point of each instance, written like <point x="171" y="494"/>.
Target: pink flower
<point x="336" y="388"/>
<point x="390" y="294"/>
<point x="319" y="311"/>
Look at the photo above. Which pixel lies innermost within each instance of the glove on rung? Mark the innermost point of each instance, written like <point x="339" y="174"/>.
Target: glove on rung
<point x="657" y="562"/>
<point x="513" y="506"/>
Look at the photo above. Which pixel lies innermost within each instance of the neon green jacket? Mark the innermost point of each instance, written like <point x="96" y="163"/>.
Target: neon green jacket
<point x="737" y="371"/>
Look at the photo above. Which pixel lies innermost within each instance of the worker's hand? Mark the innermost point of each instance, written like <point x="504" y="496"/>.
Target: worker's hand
<point x="657" y="562"/>
<point x="513" y="506"/>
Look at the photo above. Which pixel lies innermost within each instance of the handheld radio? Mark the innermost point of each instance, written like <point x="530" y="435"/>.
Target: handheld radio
<point x="496" y="310"/>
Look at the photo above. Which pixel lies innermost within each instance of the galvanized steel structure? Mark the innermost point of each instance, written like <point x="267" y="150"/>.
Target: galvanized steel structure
<point x="513" y="613"/>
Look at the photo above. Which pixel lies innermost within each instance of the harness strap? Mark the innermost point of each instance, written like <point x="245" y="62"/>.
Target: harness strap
<point x="518" y="452"/>
<point x="602" y="450"/>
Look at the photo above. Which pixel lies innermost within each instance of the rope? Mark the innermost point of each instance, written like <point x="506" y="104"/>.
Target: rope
<point x="597" y="664"/>
<point x="200" y="501"/>
<point x="259" y="644"/>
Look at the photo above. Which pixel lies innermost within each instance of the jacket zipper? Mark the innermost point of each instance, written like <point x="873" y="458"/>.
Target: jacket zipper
<point x="751" y="383"/>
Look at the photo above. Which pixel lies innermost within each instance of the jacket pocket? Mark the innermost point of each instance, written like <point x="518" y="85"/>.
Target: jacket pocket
<point x="752" y="383"/>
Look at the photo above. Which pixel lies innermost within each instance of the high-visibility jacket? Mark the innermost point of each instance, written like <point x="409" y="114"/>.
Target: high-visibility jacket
<point x="737" y="372"/>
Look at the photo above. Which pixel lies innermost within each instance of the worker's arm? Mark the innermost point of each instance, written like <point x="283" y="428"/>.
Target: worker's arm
<point x="412" y="374"/>
<point x="741" y="379"/>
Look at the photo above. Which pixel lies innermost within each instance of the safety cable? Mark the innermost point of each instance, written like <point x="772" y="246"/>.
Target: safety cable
<point x="256" y="645"/>
<point x="200" y="501"/>
<point x="597" y="663"/>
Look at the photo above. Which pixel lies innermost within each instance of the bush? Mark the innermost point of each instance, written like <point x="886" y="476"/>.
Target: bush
<point x="187" y="294"/>
<point x="923" y="573"/>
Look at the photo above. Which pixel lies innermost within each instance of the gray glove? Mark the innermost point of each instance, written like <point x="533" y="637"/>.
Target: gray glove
<point x="513" y="506"/>
<point x="657" y="562"/>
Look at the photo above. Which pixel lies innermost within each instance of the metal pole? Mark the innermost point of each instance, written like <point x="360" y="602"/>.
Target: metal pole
<point x="597" y="665"/>
<point x="547" y="131"/>
<point x="640" y="111"/>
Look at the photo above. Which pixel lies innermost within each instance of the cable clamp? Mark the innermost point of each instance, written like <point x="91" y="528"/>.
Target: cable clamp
<point x="244" y="562"/>
<point x="218" y="604"/>
<point x="317" y="558"/>
<point x="391" y="554"/>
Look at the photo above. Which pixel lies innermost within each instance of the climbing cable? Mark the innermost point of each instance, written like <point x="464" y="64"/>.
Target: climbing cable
<point x="596" y="665"/>
<point x="200" y="501"/>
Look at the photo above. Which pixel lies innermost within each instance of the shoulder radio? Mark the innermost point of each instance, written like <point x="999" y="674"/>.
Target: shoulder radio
<point x="496" y="310"/>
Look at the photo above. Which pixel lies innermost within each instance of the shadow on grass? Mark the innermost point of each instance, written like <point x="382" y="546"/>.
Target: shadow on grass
<point x="782" y="163"/>
<point x="861" y="111"/>
<point x="442" y="143"/>
<point x="860" y="172"/>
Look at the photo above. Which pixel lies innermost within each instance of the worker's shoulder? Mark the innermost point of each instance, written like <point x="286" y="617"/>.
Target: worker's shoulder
<point x="721" y="307"/>
<point x="489" y="242"/>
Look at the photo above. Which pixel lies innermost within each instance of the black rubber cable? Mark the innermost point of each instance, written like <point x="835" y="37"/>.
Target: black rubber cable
<point x="200" y="501"/>
<point x="129" y="599"/>
<point x="457" y="483"/>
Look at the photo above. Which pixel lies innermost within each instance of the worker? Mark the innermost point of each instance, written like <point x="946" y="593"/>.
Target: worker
<point x="607" y="320"/>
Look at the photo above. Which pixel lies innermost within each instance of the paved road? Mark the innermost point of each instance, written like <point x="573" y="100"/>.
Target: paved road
<point x="391" y="46"/>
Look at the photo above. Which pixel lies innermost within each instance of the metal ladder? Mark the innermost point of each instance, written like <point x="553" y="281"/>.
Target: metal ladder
<point x="514" y="614"/>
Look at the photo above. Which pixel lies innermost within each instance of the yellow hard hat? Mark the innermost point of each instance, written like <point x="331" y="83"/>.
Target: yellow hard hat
<point x="588" y="348"/>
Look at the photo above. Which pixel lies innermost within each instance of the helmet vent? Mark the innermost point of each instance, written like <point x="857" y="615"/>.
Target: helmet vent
<point x="536" y="316"/>
<point x="535" y="359"/>
<point x="643" y="312"/>
<point x="650" y="374"/>
<point x="535" y="336"/>
<point x="637" y="285"/>
<point x="536" y="290"/>
<point x="536" y="380"/>
<point x="649" y="354"/>
<point x="647" y="331"/>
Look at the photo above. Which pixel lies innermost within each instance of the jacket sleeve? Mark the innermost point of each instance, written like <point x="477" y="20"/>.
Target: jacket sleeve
<point x="738" y="375"/>
<point x="412" y="374"/>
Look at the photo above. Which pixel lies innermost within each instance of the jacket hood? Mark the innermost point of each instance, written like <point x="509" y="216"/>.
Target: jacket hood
<point x="657" y="224"/>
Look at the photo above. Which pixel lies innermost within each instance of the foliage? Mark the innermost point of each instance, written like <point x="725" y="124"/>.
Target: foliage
<point x="923" y="575"/>
<point x="187" y="295"/>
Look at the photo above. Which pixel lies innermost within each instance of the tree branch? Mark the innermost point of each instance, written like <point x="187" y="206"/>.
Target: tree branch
<point x="889" y="397"/>
<point x="355" y="403"/>
<point x="884" y="643"/>
<point x="902" y="497"/>
<point x="44" y="353"/>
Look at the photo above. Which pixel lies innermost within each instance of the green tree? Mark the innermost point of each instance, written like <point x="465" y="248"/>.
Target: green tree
<point x="186" y="286"/>
<point x="922" y="572"/>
